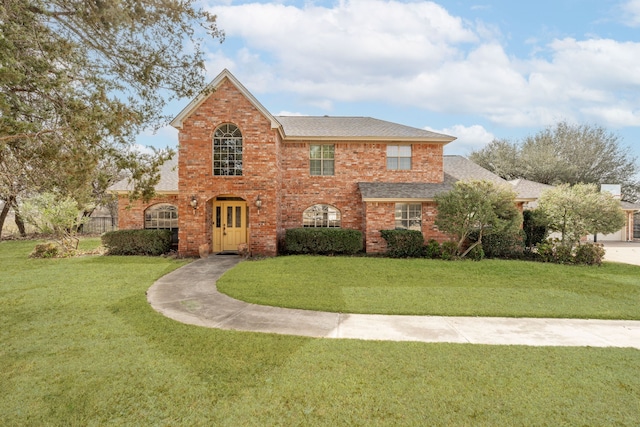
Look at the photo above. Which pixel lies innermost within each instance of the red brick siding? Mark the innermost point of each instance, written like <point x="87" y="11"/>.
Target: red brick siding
<point x="131" y="214"/>
<point x="354" y="162"/>
<point x="381" y="216"/>
<point x="261" y="171"/>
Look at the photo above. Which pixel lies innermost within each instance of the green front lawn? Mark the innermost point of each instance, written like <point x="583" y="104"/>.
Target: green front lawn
<point x="80" y="346"/>
<point x="434" y="287"/>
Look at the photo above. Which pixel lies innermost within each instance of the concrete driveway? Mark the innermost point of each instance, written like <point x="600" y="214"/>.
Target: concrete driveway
<point x="625" y="252"/>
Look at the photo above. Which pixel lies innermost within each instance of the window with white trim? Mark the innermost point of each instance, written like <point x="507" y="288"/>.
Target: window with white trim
<point x="227" y="150"/>
<point x="321" y="216"/>
<point x="321" y="159"/>
<point x="408" y="216"/>
<point x="398" y="157"/>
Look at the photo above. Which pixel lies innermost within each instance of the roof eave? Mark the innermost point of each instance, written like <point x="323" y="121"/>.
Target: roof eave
<point x="396" y="199"/>
<point x="442" y="141"/>
<point x="127" y="192"/>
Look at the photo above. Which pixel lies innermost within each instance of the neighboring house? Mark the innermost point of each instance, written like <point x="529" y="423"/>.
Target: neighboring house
<point x="626" y="233"/>
<point x="244" y="176"/>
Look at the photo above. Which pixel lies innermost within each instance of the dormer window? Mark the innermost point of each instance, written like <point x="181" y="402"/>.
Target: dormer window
<point x="227" y="150"/>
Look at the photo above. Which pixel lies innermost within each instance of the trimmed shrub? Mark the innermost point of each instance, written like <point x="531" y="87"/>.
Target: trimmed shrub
<point x="552" y="250"/>
<point x="503" y="245"/>
<point x="137" y="242"/>
<point x="534" y="232"/>
<point x="403" y="243"/>
<point x="432" y="249"/>
<point x="448" y="250"/>
<point x="322" y="241"/>
<point x="589" y="254"/>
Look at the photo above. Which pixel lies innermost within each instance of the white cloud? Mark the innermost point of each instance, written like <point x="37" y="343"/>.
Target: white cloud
<point x="418" y="55"/>
<point x="631" y="13"/>
<point x="469" y="138"/>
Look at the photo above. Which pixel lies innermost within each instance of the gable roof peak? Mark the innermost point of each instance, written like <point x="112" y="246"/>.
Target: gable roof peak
<point x="225" y="74"/>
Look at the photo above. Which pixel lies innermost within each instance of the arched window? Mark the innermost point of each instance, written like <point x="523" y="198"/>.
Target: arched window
<point x="161" y="216"/>
<point x="227" y="150"/>
<point x="321" y="216"/>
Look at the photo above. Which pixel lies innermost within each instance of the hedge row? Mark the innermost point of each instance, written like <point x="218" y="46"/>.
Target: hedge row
<point x="322" y="241"/>
<point x="137" y="242"/>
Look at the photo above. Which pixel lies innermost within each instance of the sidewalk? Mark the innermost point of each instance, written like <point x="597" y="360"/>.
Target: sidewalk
<point x="189" y="295"/>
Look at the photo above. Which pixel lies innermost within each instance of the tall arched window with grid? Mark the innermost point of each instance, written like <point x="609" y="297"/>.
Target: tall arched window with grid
<point x="227" y="150"/>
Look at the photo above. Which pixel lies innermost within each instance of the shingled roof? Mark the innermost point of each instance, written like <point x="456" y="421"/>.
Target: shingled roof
<point x="354" y="128"/>
<point x="529" y="189"/>
<point x="456" y="168"/>
<point x="168" y="179"/>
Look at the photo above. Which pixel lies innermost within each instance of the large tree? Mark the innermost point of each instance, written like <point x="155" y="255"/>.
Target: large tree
<point x="575" y="211"/>
<point x="476" y="207"/>
<point x="79" y="79"/>
<point x="565" y="154"/>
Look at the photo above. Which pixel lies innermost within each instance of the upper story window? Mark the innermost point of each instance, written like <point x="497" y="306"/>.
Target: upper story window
<point x="227" y="150"/>
<point x="161" y="216"/>
<point x="408" y="216"/>
<point x="398" y="157"/>
<point x="321" y="159"/>
<point x="321" y="216"/>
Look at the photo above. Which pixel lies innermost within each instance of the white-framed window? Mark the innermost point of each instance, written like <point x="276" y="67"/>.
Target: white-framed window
<point x="161" y="216"/>
<point x="398" y="157"/>
<point x="321" y="216"/>
<point x="408" y="216"/>
<point x="227" y="150"/>
<point x="321" y="159"/>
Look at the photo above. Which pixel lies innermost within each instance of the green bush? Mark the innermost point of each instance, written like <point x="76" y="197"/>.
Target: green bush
<point x="46" y="250"/>
<point x="322" y="241"/>
<point x="448" y="250"/>
<point x="432" y="249"/>
<point x="503" y="245"/>
<point x="534" y="231"/>
<point x="589" y="254"/>
<point x="137" y="242"/>
<point x="476" y="253"/>
<point x="554" y="251"/>
<point x="403" y="243"/>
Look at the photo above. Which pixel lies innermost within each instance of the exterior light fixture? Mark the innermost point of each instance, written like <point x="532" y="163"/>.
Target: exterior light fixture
<point x="194" y="202"/>
<point x="258" y="202"/>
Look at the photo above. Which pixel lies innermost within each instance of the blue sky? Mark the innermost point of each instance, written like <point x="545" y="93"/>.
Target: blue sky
<point x="477" y="70"/>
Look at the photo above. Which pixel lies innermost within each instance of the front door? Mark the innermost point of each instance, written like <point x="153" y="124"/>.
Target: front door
<point x="229" y="225"/>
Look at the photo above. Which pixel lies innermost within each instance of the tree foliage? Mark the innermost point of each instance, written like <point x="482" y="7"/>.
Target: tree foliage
<point x="565" y="154"/>
<point x="579" y="210"/>
<point x="58" y="217"/>
<point x="79" y="79"/>
<point x="479" y="207"/>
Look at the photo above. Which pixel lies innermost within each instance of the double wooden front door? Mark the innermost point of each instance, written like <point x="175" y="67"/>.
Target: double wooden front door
<point x="229" y="225"/>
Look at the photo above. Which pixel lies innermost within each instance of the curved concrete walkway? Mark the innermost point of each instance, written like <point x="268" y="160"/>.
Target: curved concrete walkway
<point x="189" y="295"/>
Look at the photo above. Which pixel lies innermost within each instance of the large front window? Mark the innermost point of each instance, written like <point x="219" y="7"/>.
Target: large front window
<point x="398" y="157"/>
<point x="227" y="150"/>
<point x="321" y="159"/>
<point x="161" y="216"/>
<point x="408" y="216"/>
<point x="321" y="216"/>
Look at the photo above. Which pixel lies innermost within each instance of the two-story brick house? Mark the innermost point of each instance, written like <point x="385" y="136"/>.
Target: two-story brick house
<point x="244" y="176"/>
